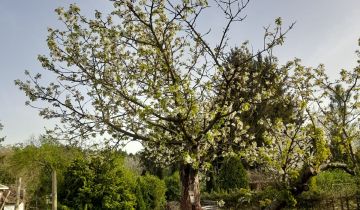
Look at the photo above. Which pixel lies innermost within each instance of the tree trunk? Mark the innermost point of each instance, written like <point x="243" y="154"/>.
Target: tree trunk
<point x="54" y="190"/>
<point x="190" y="192"/>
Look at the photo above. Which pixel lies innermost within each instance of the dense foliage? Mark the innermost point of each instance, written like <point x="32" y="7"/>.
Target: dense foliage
<point x="331" y="184"/>
<point x="98" y="182"/>
<point x="232" y="174"/>
<point x="152" y="192"/>
<point x="87" y="179"/>
<point x="173" y="187"/>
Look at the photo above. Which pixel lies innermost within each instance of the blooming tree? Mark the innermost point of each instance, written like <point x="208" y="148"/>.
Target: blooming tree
<point x="147" y="73"/>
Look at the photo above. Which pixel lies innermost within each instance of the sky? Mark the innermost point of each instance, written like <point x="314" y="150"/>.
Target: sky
<point x="326" y="31"/>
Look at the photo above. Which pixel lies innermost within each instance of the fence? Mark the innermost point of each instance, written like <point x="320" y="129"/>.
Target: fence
<point x="338" y="203"/>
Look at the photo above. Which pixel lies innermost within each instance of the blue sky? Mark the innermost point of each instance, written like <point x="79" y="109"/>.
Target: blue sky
<point x="326" y="31"/>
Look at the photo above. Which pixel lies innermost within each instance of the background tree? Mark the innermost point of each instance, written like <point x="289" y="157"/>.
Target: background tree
<point x="265" y="76"/>
<point x="1" y="138"/>
<point x="6" y="177"/>
<point x="133" y="162"/>
<point x="342" y="130"/>
<point x="98" y="181"/>
<point x="145" y="72"/>
<point x="337" y="105"/>
<point x="317" y="139"/>
<point x="293" y="153"/>
<point x="37" y="163"/>
<point x="232" y="174"/>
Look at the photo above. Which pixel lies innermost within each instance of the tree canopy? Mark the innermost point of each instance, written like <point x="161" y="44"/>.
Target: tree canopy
<point x="145" y="72"/>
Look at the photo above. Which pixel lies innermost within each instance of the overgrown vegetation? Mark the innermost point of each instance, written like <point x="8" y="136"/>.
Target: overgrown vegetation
<point x="209" y="116"/>
<point x="87" y="179"/>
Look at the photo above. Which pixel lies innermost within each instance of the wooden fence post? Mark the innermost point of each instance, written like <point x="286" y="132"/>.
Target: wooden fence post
<point x="18" y="195"/>
<point x="24" y="200"/>
<point x="54" y="190"/>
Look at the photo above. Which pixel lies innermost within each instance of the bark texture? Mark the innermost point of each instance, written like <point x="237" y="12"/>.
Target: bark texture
<point x="190" y="192"/>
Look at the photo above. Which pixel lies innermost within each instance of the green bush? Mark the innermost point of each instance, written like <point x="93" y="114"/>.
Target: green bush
<point x="246" y="199"/>
<point x="98" y="183"/>
<point x="330" y="184"/>
<point x="270" y="194"/>
<point x="265" y="197"/>
<point x="152" y="196"/>
<point x="140" y="203"/>
<point x="234" y="198"/>
<point x="232" y="175"/>
<point x="173" y="187"/>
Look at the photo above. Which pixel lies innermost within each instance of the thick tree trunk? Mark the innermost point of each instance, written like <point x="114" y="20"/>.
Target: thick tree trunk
<point x="190" y="192"/>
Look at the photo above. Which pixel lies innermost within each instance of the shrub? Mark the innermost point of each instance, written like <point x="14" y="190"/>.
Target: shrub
<point x="152" y="193"/>
<point x="265" y="197"/>
<point x="232" y="174"/>
<point x="173" y="187"/>
<point x="98" y="183"/>
<point x="330" y="184"/>
<point x="235" y="198"/>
